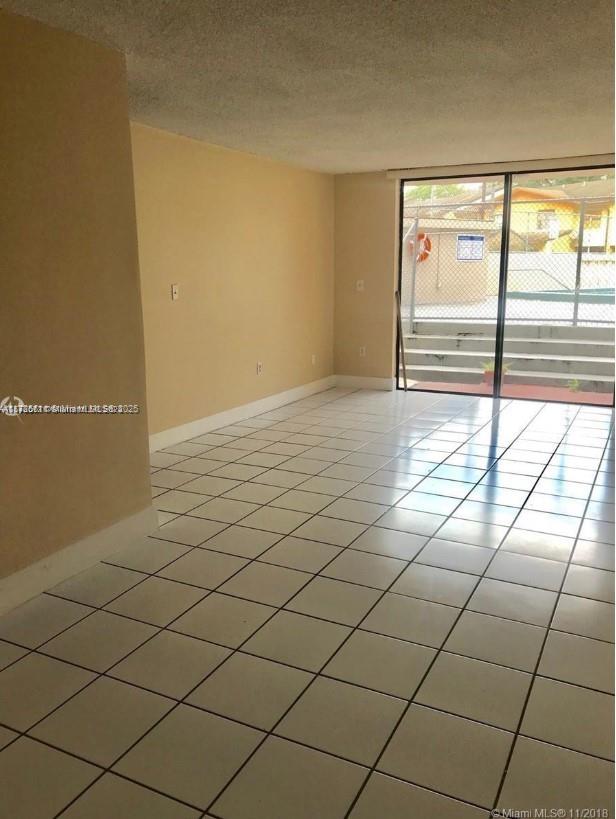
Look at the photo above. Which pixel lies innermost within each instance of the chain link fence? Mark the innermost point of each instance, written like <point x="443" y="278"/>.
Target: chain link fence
<point x="561" y="264"/>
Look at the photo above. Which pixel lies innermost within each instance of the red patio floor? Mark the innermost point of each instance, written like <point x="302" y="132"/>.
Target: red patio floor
<point x="533" y="391"/>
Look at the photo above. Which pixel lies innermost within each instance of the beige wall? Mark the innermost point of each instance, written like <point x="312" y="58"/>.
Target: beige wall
<point x="366" y="249"/>
<point x="250" y="243"/>
<point x="442" y="278"/>
<point x="69" y="304"/>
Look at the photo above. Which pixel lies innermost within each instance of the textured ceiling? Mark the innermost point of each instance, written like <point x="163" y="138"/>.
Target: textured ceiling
<point x="354" y="85"/>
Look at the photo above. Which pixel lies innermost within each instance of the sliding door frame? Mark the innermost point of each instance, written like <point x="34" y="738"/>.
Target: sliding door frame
<point x="503" y="270"/>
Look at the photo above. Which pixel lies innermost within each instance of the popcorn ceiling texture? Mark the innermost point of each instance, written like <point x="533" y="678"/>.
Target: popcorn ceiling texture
<point x="358" y="85"/>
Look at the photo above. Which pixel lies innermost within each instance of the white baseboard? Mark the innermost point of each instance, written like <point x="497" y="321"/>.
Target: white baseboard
<point x="174" y="435"/>
<point x="26" y="583"/>
<point x="365" y="382"/>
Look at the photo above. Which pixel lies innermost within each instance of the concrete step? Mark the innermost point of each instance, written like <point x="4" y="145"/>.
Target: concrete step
<point x="526" y="362"/>
<point x="474" y="375"/>
<point x="535" y="331"/>
<point x="541" y="346"/>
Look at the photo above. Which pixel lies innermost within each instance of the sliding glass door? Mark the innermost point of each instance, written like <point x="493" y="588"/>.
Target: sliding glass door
<point x="450" y="260"/>
<point x="507" y="285"/>
<point x="559" y="318"/>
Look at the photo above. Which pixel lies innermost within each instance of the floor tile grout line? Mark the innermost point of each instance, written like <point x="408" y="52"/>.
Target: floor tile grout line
<point x="363" y="443"/>
<point x="422" y="705"/>
<point x="208" y="591"/>
<point x="298" y="590"/>
<point x="317" y="674"/>
<point x="473" y="485"/>
<point x="447" y="518"/>
<point x="465" y="443"/>
<point x="451" y="515"/>
<point x="21" y="734"/>
<point x="354" y="629"/>
<point x="108" y="671"/>
<point x="271" y="731"/>
<point x="462" y="656"/>
<point x="36" y="649"/>
<point x="381" y="434"/>
<point x="98" y="674"/>
<point x="239" y="647"/>
<point x="303" y="744"/>
<point x="102" y="773"/>
<point x="209" y="811"/>
<point x="102" y="609"/>
<point x="436" y="465"/>
<point x="178" y="703"/>
<point x="430" y="431"/>
<point x="196" y="807"/>
<point x="364" y="630"/>
<point x="272" y="425"/>
<point x="290" y="534"/>
<point x="280" y="608"/>
<point x="538" y="661"/>
<point x="434" y="659"/>
<point x="182" y="700"/>
<point x="421" y="475"/>
<point x="204" y="542"/>
<point x="319" y="513"/>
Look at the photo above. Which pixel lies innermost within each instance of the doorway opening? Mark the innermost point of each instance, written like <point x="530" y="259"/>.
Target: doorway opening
<point x="507" y="285"/>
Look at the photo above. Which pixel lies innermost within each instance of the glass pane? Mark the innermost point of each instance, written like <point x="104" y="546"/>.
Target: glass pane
<point x="451" y="243"/>
<point x="559" y="327"/>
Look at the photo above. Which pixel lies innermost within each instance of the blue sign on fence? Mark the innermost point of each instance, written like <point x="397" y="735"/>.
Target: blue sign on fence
<point x="470" y="247"/>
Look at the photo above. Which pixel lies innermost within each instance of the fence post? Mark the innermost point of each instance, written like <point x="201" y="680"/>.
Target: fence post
<point x="578" y="265"/>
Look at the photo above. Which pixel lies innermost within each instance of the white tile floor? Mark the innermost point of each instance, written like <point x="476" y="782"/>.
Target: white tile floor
<point x="365" y="605"/>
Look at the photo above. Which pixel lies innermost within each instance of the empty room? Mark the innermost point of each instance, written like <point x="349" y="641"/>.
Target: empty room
<point x="306" y="409"/>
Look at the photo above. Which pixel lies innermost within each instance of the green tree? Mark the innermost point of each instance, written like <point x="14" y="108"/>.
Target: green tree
<point x="422" y="192"/>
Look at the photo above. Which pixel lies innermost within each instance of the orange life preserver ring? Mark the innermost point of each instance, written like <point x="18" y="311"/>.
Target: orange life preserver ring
<point x="425" y="246"/>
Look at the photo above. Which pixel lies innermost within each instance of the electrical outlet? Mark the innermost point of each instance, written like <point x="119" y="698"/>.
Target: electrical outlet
<point x="259" y="367"/>
<point x="314" y="359"/>
<point x="362" y="352"/>
<point x="359" y="285"/>
<point x="175" y="292"/>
